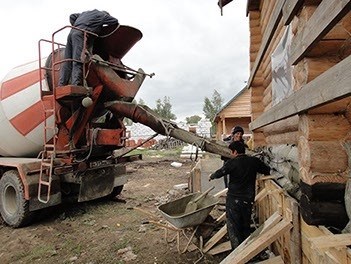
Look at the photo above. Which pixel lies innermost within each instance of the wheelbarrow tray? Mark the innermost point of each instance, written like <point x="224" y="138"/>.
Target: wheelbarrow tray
<point x="174" y="211"/>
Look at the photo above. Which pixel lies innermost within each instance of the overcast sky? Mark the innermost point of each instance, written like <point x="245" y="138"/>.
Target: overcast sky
<point x="189" y="46"/>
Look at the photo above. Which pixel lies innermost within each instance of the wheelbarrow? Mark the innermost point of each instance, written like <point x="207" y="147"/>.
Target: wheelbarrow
<point x="174" y="211"/>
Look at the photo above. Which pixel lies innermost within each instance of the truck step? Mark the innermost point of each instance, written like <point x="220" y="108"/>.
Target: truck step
<point x="44" y="183"/>
<point x="46" y="164"/>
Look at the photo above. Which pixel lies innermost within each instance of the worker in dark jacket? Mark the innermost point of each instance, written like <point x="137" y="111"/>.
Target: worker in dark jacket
<point x="242" y="170"/>
<point x="91" y="21"/>
<point x="236" y="135"/>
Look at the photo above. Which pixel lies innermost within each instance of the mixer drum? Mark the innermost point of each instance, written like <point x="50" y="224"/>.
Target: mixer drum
<point x="21" y="112"/>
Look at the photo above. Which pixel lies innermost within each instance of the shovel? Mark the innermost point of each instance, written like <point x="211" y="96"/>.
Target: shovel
<point x="192" y="205"/>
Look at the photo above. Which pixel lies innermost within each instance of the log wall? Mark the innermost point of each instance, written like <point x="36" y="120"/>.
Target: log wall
<point x="320" y="125"/>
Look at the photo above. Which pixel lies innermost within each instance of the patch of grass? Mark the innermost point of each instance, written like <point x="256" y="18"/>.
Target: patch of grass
<point x="121" y="243"/>
<point x="38" y="252"/>
<point x="72" y="247"/>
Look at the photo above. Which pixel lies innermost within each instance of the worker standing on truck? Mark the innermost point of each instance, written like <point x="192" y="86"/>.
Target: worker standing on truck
<point x="91" y="21"/>
<point x="242" y="170"/>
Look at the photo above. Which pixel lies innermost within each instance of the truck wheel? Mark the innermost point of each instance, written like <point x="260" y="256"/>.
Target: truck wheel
<point x="116" y="191"/>
<point x="14" y="208"/>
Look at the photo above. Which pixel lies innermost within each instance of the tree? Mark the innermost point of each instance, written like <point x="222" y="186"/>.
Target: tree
<point x="164" y="108"/>
<point x="141" y="102"/>
<point x="194" y="119"/>
<point x="212" y="107"/>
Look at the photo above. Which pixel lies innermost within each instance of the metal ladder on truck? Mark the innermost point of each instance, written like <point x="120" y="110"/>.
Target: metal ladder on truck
<point x="49" y="151"/>
<point x="48" y="154"/>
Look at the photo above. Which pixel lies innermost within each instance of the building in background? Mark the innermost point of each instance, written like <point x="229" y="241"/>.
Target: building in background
<point x="138" y="133"/>
<point x="237" y="112"/>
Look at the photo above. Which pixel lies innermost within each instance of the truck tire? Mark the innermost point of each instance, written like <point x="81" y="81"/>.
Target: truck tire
<point x="14" y="208"/>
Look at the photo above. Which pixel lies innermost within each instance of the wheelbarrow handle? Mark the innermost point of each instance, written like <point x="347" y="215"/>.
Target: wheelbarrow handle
<point x="203" y="194"/>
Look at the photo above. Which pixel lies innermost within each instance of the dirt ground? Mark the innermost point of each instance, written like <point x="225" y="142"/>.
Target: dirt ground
<point x="107" y="231"/>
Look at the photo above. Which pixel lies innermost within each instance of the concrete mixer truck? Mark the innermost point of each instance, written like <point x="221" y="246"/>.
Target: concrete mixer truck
<point x="69" y="142"/>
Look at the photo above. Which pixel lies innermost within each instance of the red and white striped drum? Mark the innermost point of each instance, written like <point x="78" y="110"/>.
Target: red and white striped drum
<point x="21" y="112"/>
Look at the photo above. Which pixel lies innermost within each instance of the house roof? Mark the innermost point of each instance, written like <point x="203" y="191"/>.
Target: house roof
<point x="230" y="102"/>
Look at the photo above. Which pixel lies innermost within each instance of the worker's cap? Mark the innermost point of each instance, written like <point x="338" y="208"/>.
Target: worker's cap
<point x="237" y="129"/>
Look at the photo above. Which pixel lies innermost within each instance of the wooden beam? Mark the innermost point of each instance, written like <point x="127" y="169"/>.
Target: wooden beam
<point x="330" y="258"/>
<point x="274" y="260"/>
<point x="266" y="39"/>
<point x="290" y="9"/>
<point x="326" y="16"/>
<point x="328" y="241"/>
<point x="268" y="224"/>
<point x="252" y="5"/>
<point x="295" y="234"/>
<point x="315" y="255"/>
<point x="215" y="238"/>
<point x="223" y="247"/>
<point x="273" y="220"/>
<point x="333" y="84"/>
<point x="243" y="255"/>
<point x="263" y="193"/>
<point x="221" y="218"/>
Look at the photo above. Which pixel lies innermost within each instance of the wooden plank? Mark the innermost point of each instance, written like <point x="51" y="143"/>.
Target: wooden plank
<point x="263" y="193"/>
<point x="295" y="235"/>
<point x="226" y="246"/>
<point x="315" y="254"/>
<point x="332" y="85"/>
<point x="330" y="258"/>
<point x="333" y="254"/>
<point x="195" y="181"/>
<point x="326" y="16"/>
<point x="213" y="240"/>
<point x="331" y="241"/>
<point x="252" y="5"/>
<point x="268" y="224"/>
<point x="274" y="260"/>
<point x="339" y="254"/>
<point x="221" y="218"/>
<point x="268" y="34"/>
<point x="242" y="255"/>
<point x="290" y="9"/>
<point x="223" y="247"/>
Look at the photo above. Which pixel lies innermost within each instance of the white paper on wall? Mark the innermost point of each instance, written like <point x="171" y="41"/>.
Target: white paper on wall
<point x="281" y="69"/>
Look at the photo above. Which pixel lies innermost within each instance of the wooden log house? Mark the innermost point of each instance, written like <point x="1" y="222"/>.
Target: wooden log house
<point x="300" y="90"/>
<point x="234" y="113"/>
